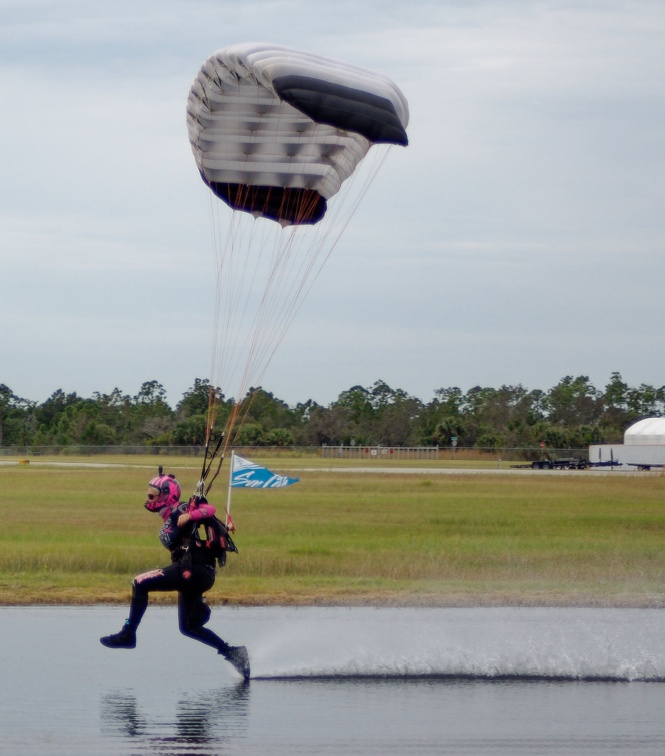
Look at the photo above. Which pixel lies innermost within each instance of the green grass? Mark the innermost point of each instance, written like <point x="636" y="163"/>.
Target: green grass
<point x="78" y="535"/>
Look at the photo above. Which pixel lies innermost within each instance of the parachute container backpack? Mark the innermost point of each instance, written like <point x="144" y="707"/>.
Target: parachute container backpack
<point x="279" y="135"/>
<point x="217" y="540"/>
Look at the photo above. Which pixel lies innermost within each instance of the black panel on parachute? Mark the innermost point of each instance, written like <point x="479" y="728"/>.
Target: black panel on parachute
<point x="343" y="107"/>
<point x="282" y="204"/>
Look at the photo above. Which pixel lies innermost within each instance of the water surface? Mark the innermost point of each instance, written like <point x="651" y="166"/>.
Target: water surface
<point x="333" y="681"/>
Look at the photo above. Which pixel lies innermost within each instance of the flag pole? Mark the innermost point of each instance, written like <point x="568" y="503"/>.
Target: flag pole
<point x="228" y="495"/>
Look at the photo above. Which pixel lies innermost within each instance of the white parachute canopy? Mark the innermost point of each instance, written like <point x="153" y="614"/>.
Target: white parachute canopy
<point x="279" y="135"/>
<point x="275" y="132"/>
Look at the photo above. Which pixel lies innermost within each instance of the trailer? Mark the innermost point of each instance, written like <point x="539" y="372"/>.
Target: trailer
<point x="640" y="456"/>
<point x="562" y="463"/>
<point x="551" y="463"/>
<point x="645" y="466"/>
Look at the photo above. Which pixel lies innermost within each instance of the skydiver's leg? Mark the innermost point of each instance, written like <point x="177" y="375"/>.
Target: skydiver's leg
<point x="194" y="612"/>
<point x="161" y="580"/>
<point x="164" y="579"/>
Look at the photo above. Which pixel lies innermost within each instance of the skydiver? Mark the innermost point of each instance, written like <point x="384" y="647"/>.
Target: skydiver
<point x="190" y="573"/>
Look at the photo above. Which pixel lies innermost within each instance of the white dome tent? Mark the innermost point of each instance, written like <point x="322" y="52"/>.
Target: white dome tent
<point x="643" y="447"/>
<point x="647" y="432"/>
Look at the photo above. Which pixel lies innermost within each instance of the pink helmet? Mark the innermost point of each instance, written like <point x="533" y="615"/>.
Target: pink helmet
<point x="169" y="493"/>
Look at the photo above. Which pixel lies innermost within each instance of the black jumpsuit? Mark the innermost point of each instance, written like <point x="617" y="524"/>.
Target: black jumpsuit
<point x="191" y="573"/>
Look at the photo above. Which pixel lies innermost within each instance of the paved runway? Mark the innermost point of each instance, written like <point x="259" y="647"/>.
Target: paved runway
<point x="503" y="469"/>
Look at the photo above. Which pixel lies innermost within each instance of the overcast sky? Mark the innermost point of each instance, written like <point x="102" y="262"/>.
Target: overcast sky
<point x="518" y="239"/>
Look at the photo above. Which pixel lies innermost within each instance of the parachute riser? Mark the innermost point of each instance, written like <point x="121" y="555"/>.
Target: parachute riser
<point x="209" y="457"/>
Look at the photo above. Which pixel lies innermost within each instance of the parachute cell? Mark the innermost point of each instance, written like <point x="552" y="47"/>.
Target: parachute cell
<point x="275" y="132"/>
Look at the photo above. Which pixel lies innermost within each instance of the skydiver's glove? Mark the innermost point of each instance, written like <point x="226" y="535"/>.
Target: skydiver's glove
<point x="230" y="525"/>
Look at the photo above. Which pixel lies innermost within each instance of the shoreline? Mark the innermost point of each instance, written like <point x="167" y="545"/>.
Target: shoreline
<point x="420" y="602"/>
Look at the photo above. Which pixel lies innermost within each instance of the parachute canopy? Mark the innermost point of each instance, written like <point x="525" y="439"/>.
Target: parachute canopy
<point x="275" y="132"/>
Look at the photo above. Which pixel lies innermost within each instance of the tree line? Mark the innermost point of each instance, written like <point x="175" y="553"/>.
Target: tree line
<point x="571" y="414"/>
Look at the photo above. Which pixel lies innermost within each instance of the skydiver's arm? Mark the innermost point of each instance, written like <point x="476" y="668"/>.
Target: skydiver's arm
<point x="200" y="513"/>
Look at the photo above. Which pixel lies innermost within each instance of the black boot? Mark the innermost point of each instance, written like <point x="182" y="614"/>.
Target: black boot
<point x="126" y="638"/>
<point x="239" y="658"/>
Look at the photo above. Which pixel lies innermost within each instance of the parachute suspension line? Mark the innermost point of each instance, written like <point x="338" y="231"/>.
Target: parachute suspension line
<point x="269" y="316"/>
<point x="225" y="307"/>
<point x="231" y="307"/>
<point x="221" y="442"/>
<point x="255" y="123"/>
<point x="300" y="254"/>
<point x="238" y="297"/>
<point x="230" y="266"/>
<point x="327" y="235"/>
<point x="218" y="271"/>
<point x="224" y="263"/>
<point x="232" y="302"/>
<point x="229" y="298"/>
<point x="281" y="280"/>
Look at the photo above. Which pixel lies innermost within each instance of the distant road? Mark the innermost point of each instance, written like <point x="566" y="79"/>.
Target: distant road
<point x="469" y="471"/>
<point x="503" y="470"/>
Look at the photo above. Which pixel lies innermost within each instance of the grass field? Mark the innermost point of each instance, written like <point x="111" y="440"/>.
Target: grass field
<point x="77" y="534"/>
